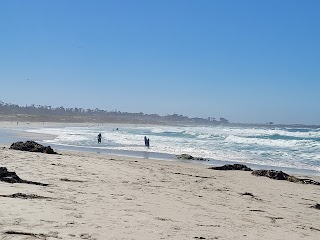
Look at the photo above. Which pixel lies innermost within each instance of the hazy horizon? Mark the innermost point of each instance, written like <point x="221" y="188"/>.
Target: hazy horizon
<point x="218" y="119"/>
<point x="246" y="61"/>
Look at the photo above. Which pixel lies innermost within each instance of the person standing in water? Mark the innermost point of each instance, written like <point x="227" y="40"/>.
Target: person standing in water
<point x="99" y="137"/>
<point x="145" y="140"/>
<point x="148" y="142"/>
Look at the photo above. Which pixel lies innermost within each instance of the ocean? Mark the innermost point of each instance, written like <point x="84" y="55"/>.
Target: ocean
<point x="291" y="149"/>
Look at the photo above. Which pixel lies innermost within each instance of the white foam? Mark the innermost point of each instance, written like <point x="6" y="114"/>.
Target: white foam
<point x="250" y="145"/>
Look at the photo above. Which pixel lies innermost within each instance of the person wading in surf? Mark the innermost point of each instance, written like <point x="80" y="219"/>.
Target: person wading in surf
<point x="99" y="137"/>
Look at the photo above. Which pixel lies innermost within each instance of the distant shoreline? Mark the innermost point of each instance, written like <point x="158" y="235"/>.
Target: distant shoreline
<point x="74" y="119"/>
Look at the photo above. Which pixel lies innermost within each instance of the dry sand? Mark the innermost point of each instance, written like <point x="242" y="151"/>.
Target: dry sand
<point x="95" y="196"/>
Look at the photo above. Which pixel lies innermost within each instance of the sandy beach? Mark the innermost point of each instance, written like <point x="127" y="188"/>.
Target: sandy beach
<point x="149" y="120"/>
<point x="96" y="196"/>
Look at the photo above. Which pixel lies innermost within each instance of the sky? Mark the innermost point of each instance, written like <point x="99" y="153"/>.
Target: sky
<point x="249" y="61"/>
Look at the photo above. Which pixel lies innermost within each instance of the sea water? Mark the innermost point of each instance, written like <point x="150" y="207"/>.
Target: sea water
<point x="279" y="147"/>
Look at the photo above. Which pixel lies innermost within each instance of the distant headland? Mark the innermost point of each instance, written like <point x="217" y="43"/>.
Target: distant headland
<point x="40" y="113"/>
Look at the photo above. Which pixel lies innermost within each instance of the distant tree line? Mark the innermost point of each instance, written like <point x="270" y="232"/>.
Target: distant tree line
<point x="34" y="112"/>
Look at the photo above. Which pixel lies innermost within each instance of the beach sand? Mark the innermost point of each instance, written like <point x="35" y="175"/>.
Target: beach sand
<point x="97" y="196"/>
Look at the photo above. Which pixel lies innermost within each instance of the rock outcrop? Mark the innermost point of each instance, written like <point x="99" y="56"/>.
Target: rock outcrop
<point x="32" y="146"/>
<point x="226" y="167"/>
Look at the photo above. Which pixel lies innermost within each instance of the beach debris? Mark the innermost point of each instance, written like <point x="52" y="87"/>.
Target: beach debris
<point x="191" y="175"/>
<point x="279" y="175"/>
<point x="24" y="196"/>
<point x="248" y="194"/>
<point x="273" y="219"/>
<point x="12" y="177"/>
<point x="163" y="219"/>
<point x="251" y="195"/>
<point x="32" y="146"/>
<point x="256" y="210"/>
<point x="208" y="225"/>
<point x="87" y="236"/>
<point x="189" y="157"/>
<point x="226" y="167"/>
<point x="35" y="235"/>
<point x="70" y="180"/>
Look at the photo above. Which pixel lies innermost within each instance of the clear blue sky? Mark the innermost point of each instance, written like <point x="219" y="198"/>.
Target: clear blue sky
<point x="247" y="61"/>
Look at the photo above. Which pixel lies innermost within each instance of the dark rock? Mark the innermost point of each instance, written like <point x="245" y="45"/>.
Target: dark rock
<point x="185" y="156"/>
<point x="32" y="146"/>
<point x="317" y="206"/>
<point x="189" y="157"/>
<point x="226" y="167"/>
<point x="278" y="175"/>
<point x="293" y="179"/>
<point x="12" y="177"/>
<point x="49" y="150"/>
<point x="309" y="181"/>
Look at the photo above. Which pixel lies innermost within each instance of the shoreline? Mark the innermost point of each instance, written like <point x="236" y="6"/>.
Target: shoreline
<point x="98" y="196"/>
<point x="171" y="157"/>
<point x="14" y="134"/>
